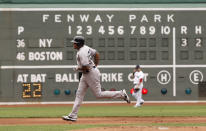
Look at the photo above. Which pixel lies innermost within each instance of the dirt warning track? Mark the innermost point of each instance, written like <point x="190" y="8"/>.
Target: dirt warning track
<point x="102" y="120"/>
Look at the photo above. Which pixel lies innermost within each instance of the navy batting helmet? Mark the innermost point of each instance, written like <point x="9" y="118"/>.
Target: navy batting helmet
<point x="137" y="66"/>
<point x="79" y="40"/>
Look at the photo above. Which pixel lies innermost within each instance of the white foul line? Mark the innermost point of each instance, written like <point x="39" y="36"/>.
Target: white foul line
<point x="174" y="60"/>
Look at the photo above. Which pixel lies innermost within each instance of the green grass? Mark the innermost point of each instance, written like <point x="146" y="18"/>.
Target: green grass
<point x="75" y="127"/>
<point x="97" y="111"/>
<point x="101" y="111"/>
<point x="46" y="127"/>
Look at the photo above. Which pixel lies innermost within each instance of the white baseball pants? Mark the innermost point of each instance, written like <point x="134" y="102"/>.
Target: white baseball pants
<point x="92" y="80"/>
<point x="138" y="96"/>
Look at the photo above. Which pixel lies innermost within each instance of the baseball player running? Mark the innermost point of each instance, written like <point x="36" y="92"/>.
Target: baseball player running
<point x="138" y="85"/>
<point x="87" y="61"/>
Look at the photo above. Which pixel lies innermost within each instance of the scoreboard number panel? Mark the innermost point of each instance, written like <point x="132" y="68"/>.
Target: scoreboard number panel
<point x="32" y="90"/>
<point x="37" y="57"/>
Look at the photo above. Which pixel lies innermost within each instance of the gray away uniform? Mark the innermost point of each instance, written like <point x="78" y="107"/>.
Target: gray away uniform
<point x="90" y="80"/>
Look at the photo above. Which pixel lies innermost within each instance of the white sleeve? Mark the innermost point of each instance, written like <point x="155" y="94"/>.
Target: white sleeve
<point x="141" y="75"/>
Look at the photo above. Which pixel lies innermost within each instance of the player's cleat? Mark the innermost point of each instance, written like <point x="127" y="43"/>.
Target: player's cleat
<point x="137" y="105"/>
<point x="142" y="102"/>
<point x="126" y="97"/>
<point x="69" y="118"/>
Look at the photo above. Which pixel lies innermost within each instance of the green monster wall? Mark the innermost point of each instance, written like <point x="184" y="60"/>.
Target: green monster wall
<point x="167" y="40"/>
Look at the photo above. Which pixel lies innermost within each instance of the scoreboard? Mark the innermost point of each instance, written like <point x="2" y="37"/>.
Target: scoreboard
<point x="37" y="57"/>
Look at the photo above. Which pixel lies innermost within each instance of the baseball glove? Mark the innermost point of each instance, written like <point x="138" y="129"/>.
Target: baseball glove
<point x="136" y="88"/>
